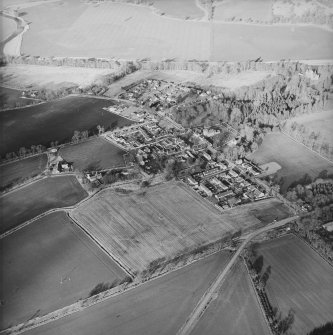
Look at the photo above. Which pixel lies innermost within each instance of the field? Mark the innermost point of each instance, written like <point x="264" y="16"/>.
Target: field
<point x="263" y="211"/>
<point x="23" y="169"/>
<point x="55" y="265"/>
<point x="71" y="28"/>
<point x="50" y="76"/>
<point x="56" y="120"/>
<point x="8" y="26"/>
<point x="39" y="197"/>
<point x="235" y="310"/>
<point x="301" y="280"/>
<point x="257" y="10"/>
<point x="294" y="158"/>
<point x="160" y="306"/>
<point x="321" y="122"/>
<point x="12" y="98"/>
<point x="157" y="222"/>
<point x="237" y="41"/>
<point x="185" y="9"/>
<point x="96" y="154"/>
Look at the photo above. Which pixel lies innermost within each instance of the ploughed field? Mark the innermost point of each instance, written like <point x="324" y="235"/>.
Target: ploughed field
<point x="300" y="279"/>
<point x="159" y="306"/>
<point x="16" y="172"/>
<point x="295" y="159"/>
<point x="54" y="121"/>
<point x="49" y="264"/>
<point x="126" y="31"/>
<point x="236" y="309"/>
<point x="157" y="222"/>
<point x="29" y="201"/>
<point x="95" y="154"/>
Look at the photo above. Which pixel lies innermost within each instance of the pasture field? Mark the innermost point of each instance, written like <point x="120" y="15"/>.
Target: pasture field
<point x="71" y="28"/>
<point x="53" y="77"/>
<point x="11" y="97"/>
<point x="185" y="9"/>
<point x="300" y="279"/>
<point x="55" y="121"/>
<point x="321" y="122"/>
<point x="235" y="311"/>
<point x="95" y="154"/>
<point x="23" y="169"/>
<point x="237" y="41"/>
<point x="294" y="158"/>
<point x="160" y="221"/>
<point x="34" y="199"/>
<point x="256" y="10"/>
<point x="160" y="306"/>
<point x="55" y="265"/>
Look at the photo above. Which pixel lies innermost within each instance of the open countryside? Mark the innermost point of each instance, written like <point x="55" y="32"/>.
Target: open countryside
<point x="19" y="171"/>
<point x="157" y="307"/>
<point x="55" y="265"/>
<point x="55" y="121"/>
<point x="29" y="201"/>
<point x="136" y="32"/>
<point x="235" y="308"/>
<point x="95" y="154"/>
<point x="166" y="167"/>
<point x="300" y="279"/>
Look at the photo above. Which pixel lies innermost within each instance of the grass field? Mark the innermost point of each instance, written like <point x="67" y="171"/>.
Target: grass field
<point x="23" y="169"/>
<point x="56" y="120"/>
<point x="96" y="154"/>
<point x="301" y="280"/>
<point x="235" y="311"/>
<point x="55" y="265"/>
<point x="260" y="10"/>
<point x="39" y="197"/>
<point x="293" y="157"/>
<point x="51" y="77"/>
<point x="158" y="222"/>
<point x="10" y="97"/>
<point x="159" y="307"/>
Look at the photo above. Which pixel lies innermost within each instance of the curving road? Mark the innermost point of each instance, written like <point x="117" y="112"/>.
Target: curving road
<point x="208" y="296"/>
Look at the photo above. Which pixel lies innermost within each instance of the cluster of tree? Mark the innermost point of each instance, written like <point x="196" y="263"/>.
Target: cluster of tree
<point x="326" y="329"/>
<point x="80" y="135"/>
<point x="310" y="138"/>
<point x="315" y="14"/>
<point x="102" y="287"/>
<point x="69" y="61"/>
<point x="24" y="152"/>
<point x="119" y="175"/>
<point x="310" y="228"/>
<point x="255" y="262"/>
<point x="316" y="195"/>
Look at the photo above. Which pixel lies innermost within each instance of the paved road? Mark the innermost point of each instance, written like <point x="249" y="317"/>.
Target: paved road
<point x="207" y="297"/>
